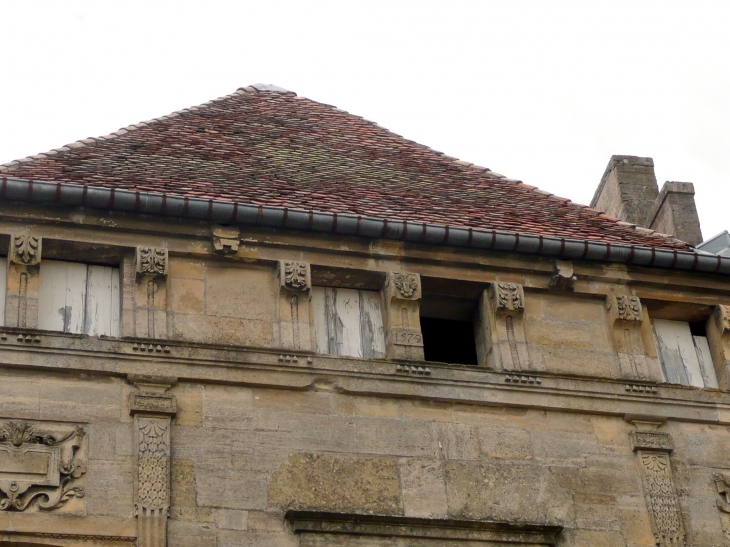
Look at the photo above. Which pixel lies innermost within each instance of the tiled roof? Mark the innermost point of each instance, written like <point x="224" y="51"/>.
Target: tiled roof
<point x="264" y="145"/>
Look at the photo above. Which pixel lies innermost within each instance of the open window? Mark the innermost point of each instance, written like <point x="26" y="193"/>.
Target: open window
<point x="78" y="298"/>
<point x="448" y="313"/>
<point x="348" y="322"/>
<point x="682" y="345"/>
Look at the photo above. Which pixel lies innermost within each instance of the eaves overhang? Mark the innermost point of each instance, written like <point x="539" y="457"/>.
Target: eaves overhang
<point x="248" y="214"/>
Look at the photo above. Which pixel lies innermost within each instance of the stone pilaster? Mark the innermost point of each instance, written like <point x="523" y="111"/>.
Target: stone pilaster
<point x="152" y="409"/>
<point x="294" y="316"/>
<point x="625" y="317"/>
<point x="150" y="314"/>
<point x="652" y="449"/>
<point x="23" y="281"/>
<point x="500" y="336"/>
<point x="718" y="338"/>
<point x="401" y="310"/>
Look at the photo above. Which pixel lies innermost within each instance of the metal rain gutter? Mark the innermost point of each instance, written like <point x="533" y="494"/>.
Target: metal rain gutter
<point x="227" y="212"/>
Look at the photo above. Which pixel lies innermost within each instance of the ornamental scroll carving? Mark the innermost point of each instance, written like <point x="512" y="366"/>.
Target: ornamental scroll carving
<point x="151" y="261"/>
<point x="26" y="250"/>
<point x="39" y="468"/>
<point x="509" y="297"/>
<point x="652" y="450"/>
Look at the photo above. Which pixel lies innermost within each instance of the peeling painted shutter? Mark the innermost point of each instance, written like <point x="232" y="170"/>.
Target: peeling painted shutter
<point x="78" y="298"/>
<point x="685" y="359"/>
<point x="348" y="322"/>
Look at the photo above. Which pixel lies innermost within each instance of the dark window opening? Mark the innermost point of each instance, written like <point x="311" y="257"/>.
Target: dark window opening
<point x="449" y="341"/>
<point x="698" y="329"/>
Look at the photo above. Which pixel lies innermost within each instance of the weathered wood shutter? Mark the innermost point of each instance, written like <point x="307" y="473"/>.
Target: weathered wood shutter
<point x="348" y="322"/>
<point x="78" y="298"/>
<point x="685" y="359"/>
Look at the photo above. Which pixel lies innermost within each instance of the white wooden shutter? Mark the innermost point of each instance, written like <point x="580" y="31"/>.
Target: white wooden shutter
<point x="78" y="298"/>
<point x="348" y="322"/>
<point x="685" y="359"/>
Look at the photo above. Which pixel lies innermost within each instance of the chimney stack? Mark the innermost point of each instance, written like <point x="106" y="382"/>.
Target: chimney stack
<point x="629" y="191"/>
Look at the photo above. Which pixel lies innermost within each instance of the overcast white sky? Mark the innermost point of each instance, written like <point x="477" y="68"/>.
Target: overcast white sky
<point x="541" y="91"/>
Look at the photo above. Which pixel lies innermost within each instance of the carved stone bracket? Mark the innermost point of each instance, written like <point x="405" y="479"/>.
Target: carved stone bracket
<point x="624" y="307"/>
<point x="226" y="240"/>
<point x="295" y="276"/>
<point x="402" y="303"/>
<point x="501" y="341"/>
<point x="152" y="408"/>
<point x="563" y="277"/>
<point x="39" y="466"/>
<point x="652" y="450"/>
<point x="151" y="261"/>
<point x="25" y="250"/>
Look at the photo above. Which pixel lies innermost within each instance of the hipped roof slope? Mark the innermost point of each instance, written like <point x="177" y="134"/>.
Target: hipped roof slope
<point x="266" y="146"/>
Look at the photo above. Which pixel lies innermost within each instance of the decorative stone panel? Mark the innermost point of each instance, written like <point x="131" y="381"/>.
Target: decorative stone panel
<point x="625" y="318"/>
<point x="402" y="304"/>
<point x="21" y="303"/>
<point x="501" y="342"/>
<point x="151" y="261"/>
<point x="295" y="326"/>
<point x="150" y="292"/>
<point x="152" y="409"/>
<point x="40" y="465"/>
<point x="652" y="450"/>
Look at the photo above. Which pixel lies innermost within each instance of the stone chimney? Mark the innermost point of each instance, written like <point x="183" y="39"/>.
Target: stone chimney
<point x="674" y="212"/>
<point x="629" y="191"/>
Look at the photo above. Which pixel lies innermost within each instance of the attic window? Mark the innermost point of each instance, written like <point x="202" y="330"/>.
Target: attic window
<point x="447" y="325"/>
<point x="684" y="353"/>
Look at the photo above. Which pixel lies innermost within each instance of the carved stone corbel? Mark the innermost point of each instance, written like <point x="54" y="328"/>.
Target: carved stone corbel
<point x="625" y="317"/>
<point x="652" y="449"/>
<point x="563" y="278"/>
<point x="295" y="287"/>
<point x="152" y="409"/>
<point x="402" y="305"/>
<point x="226" y="240"/>
<point x="501" y="342"/>
<point x="24" y="260"/>
<point x="718" y="338"/>
<point x="151" y="267"/>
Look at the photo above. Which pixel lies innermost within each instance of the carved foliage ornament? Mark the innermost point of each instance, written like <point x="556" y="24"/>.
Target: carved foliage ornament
<point x="151" y="261"/>
<point x="405" y="284"/>
<point x="295" y="276"/>
<point x="662" y="499"/>
<point x="25" y="250"/>
<point x="628" y="308"/>
<point x="153" y="489"/>
<point x="38" y="468"/>
<point x="509" y="297"/>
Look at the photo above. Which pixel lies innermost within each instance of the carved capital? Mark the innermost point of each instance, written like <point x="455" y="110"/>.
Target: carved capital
<point x="624" y="307"/>
<point x="508" y="297"/>
<point x="25" y="250"/>
<point x="151" y="261"/>
<point x="152" y="397"/>
<point x="651" y="440"/>
<point x="295" y="276"/>
<point x="39" y="465"/>
<point x="226" y="240"/>
<point x="403" y="286"/>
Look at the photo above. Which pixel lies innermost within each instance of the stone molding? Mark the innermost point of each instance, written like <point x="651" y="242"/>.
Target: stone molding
<point x="39" y="467"/>
<point x="25" y="250"/>
<point x="563" y="278"/>
<point x="151" y="261"/>
<point x="449" y="531"/>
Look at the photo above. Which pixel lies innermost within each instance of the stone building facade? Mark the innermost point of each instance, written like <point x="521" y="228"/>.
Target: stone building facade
<point x="266" y="322"/>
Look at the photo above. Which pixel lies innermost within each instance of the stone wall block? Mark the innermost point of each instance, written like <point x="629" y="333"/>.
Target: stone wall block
<point x="402" y="295"/>
<point x="423" y="488"/>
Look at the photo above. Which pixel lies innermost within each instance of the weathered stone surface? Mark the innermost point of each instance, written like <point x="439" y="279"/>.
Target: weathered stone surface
<point x="506" y="491"/>
<point x="329" y="482"/>
<point x="422" y="483"/>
